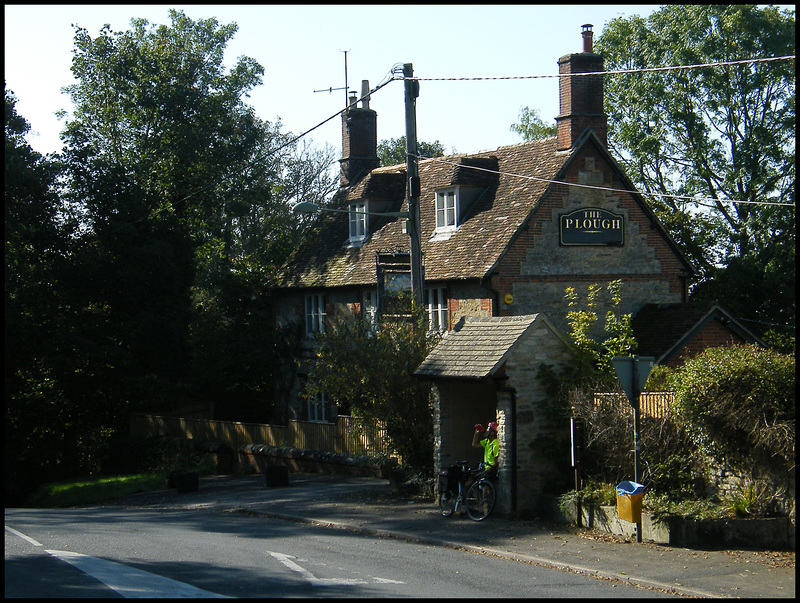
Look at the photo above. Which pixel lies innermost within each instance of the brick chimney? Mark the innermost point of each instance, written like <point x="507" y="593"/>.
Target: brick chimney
<point x="359" y="138"/>
<point x="581" y="98"/>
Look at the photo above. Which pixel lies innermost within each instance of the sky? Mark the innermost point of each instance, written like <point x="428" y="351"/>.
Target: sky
<point x="301" y="48"/>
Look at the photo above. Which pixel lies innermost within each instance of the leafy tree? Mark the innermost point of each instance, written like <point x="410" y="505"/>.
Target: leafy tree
<point x="38" y="425"/>
<point x="724" y="134"/>
<point x="184" y="195"/>
<point x="370" y="367"/>
<point x="592" y="359"/>
<point x="393" y="151"/>
<point x="532" y="127"/>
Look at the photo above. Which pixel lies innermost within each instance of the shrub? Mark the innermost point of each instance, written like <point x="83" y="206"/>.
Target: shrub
<point x="738" y="403"/>
<point x="668" y="461"/>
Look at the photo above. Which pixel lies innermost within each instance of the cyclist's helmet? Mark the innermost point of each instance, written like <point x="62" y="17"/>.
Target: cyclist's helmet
<point x="492" y="426"/>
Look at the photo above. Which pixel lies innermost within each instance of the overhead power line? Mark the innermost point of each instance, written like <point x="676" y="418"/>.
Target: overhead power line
<point x="396" y="74"/>
<point x="607" y="189"/>
<point x="258" y="159"/>
<point x="613" y="72"/>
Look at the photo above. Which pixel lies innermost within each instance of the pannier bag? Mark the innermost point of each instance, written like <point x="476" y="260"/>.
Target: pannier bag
<point x="448" y="480"/>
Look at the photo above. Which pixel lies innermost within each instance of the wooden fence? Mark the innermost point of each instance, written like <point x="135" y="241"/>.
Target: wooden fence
<point x="348" y="435"/>
<point x="653" y="404"/>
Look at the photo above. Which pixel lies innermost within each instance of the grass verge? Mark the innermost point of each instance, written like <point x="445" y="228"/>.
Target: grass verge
<point x="93" y="490"/>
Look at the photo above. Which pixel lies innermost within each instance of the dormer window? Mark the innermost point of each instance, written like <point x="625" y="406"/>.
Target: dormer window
<point x="447" y="214"/>
<point x="447" y="210"/>
<point x="358" y="223"/>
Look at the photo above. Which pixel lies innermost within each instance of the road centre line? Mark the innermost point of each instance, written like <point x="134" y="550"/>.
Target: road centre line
<point x="314" y="581"/>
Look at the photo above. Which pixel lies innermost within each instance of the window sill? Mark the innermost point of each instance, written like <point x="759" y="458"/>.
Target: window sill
<point x="443" y="235"/>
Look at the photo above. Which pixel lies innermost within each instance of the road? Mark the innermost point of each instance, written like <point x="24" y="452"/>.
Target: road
<point x="114" y="551"/>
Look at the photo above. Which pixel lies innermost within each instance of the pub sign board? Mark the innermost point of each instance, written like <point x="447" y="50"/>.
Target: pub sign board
<point x="591" y="226"/>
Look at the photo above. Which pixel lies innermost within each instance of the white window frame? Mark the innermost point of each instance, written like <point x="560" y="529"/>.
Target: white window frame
<point x="447" y="210"/>
<point x="315" y="313"/>
<point x="358" y="222"/>
<point x="317" y="408"/>
<point x="436" y="303"/>
<point x="369" y="306"/>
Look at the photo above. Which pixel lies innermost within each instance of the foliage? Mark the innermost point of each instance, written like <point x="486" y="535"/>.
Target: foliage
<point x="393" y="150"/>
<point x="532" y="127"/>
<point x="139" y="259"/>
<point x="591" y="492"/>
<point x="669" y="460"/>
<point x="592" y="358"/>
<point x="734" y="407"/>
<point x="369" y="367"/>
<point x="754" y="497"/>
<point x="40" y="428"/>
<point x="724" y="134"/>
<point x="663" y="505"/>
<point x="738" y="404"/>
<point x="166" y="454"/>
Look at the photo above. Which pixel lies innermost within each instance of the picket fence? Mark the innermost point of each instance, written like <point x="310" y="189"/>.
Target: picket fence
<point x="653" y="404"/>
<point x="348" y="435"/>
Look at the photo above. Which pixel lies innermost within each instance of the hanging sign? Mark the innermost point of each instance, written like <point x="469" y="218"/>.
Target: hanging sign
<point x="591" y="226"/>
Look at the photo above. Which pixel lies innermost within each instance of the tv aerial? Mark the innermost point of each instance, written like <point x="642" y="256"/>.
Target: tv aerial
<point x="331" y="89"/>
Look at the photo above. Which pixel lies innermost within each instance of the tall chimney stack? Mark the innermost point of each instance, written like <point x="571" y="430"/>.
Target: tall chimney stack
<point x="581" y="97"/>
<point x="359" y="139"/>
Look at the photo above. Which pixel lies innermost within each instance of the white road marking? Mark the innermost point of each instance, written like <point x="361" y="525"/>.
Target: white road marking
<point x="23" y="536"/>
<point x="314" y="581"/>
<point x="132" y="583"/>
<point x="387" y="581"/>
<point x="129" y="582"/>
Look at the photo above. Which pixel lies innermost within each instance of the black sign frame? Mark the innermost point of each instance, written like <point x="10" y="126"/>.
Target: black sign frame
<point x="591" y="226"/>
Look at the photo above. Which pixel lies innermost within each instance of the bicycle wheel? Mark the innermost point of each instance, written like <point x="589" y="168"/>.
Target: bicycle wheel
<point x="447" y="503"/>
<point x="481" y="499"/>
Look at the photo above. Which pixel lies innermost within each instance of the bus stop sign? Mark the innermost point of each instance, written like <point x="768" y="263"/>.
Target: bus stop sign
<point x="633" y="372"/>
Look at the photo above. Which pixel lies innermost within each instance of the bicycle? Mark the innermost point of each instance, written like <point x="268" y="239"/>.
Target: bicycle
<point x="452" y="492"/>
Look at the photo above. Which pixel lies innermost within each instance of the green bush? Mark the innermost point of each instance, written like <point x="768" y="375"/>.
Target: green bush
<point x="738" y="403"/>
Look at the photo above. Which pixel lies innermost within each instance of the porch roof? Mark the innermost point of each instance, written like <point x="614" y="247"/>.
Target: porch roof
<point x="476" y="348"/>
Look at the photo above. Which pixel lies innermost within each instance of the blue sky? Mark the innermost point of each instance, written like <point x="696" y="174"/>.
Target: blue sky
<point x="301" y="48"/>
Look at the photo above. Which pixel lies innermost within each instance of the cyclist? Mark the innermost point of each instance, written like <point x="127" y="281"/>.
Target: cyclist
<point x="491" y="448"/>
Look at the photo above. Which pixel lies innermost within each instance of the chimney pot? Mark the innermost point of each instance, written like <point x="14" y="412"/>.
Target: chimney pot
<point x="353" y="97"/>
<point x="586" y="32"/>
<point x="365" y="94"/>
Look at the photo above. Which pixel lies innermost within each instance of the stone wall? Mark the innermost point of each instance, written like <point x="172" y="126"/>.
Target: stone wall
<point x="537" y="268"/>
<point x="542" y="428"/>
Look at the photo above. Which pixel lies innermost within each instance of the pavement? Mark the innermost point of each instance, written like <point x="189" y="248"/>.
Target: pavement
<point x="368" y="505"/>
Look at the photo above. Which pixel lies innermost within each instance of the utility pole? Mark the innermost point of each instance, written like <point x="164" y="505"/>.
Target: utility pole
<point x="412" y="167"/>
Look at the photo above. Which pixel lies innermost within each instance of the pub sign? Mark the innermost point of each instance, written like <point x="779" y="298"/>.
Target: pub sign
<point x="591" y="226"/>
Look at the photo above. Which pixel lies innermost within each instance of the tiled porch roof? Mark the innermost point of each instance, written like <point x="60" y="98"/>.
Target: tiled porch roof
<point x="476" y="348"/>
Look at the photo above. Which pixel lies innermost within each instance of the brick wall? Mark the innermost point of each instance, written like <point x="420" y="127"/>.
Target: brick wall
<point x="580" y="99"/>
<point x="713" y="335"/>
<point x="359" y="144"/>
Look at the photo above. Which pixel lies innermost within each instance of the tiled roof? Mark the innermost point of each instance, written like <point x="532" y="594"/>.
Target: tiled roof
<point x="660" y="329"/>
<point x="502" y="205"/>
<point x="476" y="347"/>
